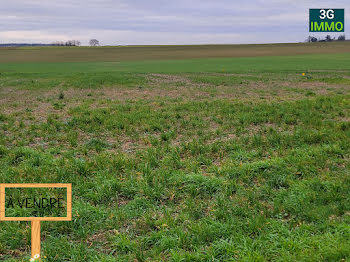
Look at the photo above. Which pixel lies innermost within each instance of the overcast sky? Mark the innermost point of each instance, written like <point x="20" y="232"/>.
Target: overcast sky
<point x="128" y="22"/>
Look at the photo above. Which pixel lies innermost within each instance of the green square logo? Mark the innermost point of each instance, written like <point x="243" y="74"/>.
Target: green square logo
<point x="326" y="20"/>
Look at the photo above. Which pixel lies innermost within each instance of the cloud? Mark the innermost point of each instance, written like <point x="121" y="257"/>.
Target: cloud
<point x="31" y="36"/>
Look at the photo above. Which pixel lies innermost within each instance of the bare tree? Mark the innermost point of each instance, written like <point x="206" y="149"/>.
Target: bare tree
<point x="94" y="42"/>
<point x="58" y="43"/>
<point x="341" y="38"/>
<point x="70" y="43"/>
<point x="67" y="43"/>
<point x="328" y="38"/>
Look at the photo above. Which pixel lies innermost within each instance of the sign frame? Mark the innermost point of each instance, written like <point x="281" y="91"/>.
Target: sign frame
<point x="326" y="20"/>
<point x="35" y="221"/>
<point x="58" y="185"/>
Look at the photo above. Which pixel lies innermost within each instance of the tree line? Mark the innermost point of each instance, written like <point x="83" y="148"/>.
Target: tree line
<point x="328" y="38"/>
<point x="92" y="42"/>
<point x="67" y="43"/>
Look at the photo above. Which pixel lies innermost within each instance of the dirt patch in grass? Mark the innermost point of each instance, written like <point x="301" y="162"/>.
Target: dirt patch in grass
<point x="42" y="103"/>
<point x="165" y="78"/>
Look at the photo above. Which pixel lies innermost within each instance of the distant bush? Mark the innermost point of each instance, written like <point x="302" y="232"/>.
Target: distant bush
<point x="341" y="38"/>
<point x="311" y="39"/>
<point x="329" y="38"/>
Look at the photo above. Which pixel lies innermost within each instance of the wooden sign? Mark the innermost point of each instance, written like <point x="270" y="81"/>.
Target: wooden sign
<point x="35" y="220"/>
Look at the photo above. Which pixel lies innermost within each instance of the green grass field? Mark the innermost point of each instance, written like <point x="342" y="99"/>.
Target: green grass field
<point x="198" y="158"/>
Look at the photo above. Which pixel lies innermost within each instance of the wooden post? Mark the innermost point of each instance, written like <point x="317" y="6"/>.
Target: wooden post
<point x="35" y="238"/>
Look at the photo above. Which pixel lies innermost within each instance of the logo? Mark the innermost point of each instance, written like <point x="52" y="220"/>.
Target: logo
<point x="326" y="20"/>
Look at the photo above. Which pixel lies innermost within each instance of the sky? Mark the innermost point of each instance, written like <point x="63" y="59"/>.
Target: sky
<point x="150" y="22"/>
